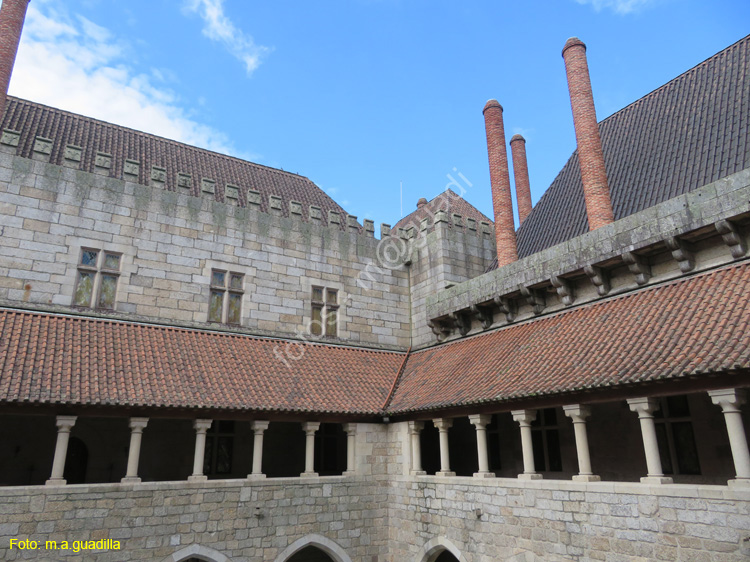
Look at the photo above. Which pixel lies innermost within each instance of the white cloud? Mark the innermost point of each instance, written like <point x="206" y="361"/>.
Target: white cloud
<point x="74" y="64"/>
<point x="618" y="6"/>
<point x="218" y="27"/>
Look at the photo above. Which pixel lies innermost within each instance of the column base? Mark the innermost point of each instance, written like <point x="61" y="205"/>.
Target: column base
<point x="258" y="476"/>
<point x="533" y="476"/>
<point x="197" y="478"/>
<point x="348" y="473"/>
<point x="485" y="474"/>
<point x="417" y="472"/>
<point x="446" y="473"/>
<point x="131" y="480"/>
<point x="587" y="478"/>
<point x="656" y="480"/>
<point x="309" y="475"/>
<point x="56" y="482"/>
<point x="739" y="483"/>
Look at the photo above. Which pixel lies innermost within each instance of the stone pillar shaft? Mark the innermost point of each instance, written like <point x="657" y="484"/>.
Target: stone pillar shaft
<point x="480" y="422"/>
<point x="351" y="444"/>
<point x="310" y="428"/>
<point x="645" y="407"/>
<point x="578" y="414"/>
<point x="443" y="426"/>
<point x="415" y="427"/>
<point x="259" y="428"/>
<point x="731" y="401"/>
<point x="137" y="426"/>
<point x="64" y="425"/>
<point x="200" y="426"/>
<point x="524" y="419"/>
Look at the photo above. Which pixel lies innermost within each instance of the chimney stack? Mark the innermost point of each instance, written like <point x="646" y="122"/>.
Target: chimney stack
<point x="12" y="14"/>
<point x="521" y="174"/>
<point x="505" y="231"/>
<point x="590" y="156"/>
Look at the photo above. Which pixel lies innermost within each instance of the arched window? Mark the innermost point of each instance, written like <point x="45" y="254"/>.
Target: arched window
<point x="310" y="554"/>
<point x="313" y="548"/>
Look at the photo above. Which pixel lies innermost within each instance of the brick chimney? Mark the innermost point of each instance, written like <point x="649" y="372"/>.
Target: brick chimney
<point x="590" y="157"/>
<point x="12" y="14"/>
<point x="505" y="232"/>
<point x="521" y="174"/>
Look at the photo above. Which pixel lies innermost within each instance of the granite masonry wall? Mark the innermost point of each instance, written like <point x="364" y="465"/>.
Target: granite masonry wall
<point x="171" y="241"/>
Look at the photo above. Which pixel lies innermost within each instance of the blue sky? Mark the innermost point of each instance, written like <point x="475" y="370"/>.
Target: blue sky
<point x="361" y="95"/>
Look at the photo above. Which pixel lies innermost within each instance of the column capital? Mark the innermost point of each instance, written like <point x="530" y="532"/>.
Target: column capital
<point x="730" y="399"/>
<point x="443" y="424"/>
<point x="310" y="427"/>
<point x="138" y="424"/>
<point x="480" y="420"/>
<point x="577" y="412"/>
<point x="257" y="425"/>
<point x="644" y="406"/>
<point x="65" y="423"/>
<point x="350" y="428"/>
<point x="415" y="426"/>
<point x="524" y="417"/>
<point x="202" y="426"/>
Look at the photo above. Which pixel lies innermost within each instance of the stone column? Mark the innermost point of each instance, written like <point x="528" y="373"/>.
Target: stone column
<point x="310" y="428"/>
<point x="64" y="425"/>
<point x="258" y="427"/>
<point x="730" y="400"/>
<point x="415" y="427"/>
<point x="524" y="419"/>
<point x="351" y="444"/>
<point x="443" y="426"/>
<point x="137" y="426"/>
<point x="200" y="426"/>
<point x="480" y="422"/>
<point x="578" y="414"/>
<point x="646" y="408"/>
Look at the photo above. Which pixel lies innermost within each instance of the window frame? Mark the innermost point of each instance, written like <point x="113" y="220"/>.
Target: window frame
<point x="98" y="271"/>
<point x="328" y="309"/>
<point x="227" y="291"/>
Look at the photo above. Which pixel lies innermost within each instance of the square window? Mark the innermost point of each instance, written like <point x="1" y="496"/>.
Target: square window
<point x="94" y="287"/>
<point x="89" y="258"/>
<point x="225" y="303"/>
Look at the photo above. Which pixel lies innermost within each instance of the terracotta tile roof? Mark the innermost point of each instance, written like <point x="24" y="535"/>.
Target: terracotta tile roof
<point x="63" y="128"/>
<point x="690" y="132"/>
<point x="448" y="201"/>
<point x="696" y="325"/>
<point x="51" y="359"/>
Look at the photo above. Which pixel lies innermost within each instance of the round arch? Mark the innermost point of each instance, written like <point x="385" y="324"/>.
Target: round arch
<point x="318" y="541"/>
<point x="199" y="552"/>
<point x="434" y="547"/>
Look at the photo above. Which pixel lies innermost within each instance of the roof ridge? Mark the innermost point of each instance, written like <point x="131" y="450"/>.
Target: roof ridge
<point x="185" y="329"/>
<point x="690" y="70"/>
<point x="396" y="381"/>
<point x="155" y="137"/>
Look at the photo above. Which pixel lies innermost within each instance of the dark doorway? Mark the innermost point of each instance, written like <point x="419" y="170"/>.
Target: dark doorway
<point x="446" y="556"/>
<point x="330" y="449"/>
<point x="310" y="554"/>
<point x="429" y="441"/>
<point x="76" y="461"/>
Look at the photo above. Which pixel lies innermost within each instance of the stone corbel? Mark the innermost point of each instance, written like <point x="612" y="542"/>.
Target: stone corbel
<point x="732" y="238"/>
<point x="598" y="278"/>
<point x="564" y="289"/>
<point x="484" y="315"/>
<point x="681" y="253"/>
<point x="462" y="321"/>
<point x="441" y="329"/>
<point x="638" y="267"/>
<point x="507" y="307"/>
<point x="534" y="298"/>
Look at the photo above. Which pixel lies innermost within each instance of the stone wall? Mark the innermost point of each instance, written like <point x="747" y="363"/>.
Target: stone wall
<point x="171" y="241"/>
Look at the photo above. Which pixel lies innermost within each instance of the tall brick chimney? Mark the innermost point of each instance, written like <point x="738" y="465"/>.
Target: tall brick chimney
<point x="505" y="231"/>
<point x="12" y="14"/>
<point x="590" y="157"/>
<point x="521" y="174"/>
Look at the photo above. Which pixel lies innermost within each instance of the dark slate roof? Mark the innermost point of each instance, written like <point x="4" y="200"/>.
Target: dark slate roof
<point x="693" y="326"/>
<point x="54" y="359"/>
<point x="448" y="201"/>
<point x="62" y="127"/>
<point x="690" y="132"/>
